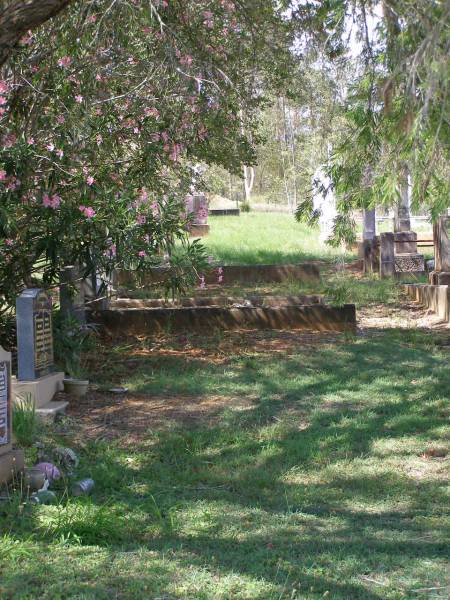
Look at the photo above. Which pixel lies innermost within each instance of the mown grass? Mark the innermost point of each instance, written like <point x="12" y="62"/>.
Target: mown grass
<point x="315" y="485"/>
<point x="265" y="238"/>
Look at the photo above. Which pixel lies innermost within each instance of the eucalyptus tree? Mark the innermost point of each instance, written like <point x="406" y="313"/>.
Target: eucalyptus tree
<point x="396" y="108"/>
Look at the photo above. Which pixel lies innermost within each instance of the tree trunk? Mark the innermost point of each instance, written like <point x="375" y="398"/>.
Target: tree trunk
<point x="19" y="17"/>
<point x="249" y="180"/>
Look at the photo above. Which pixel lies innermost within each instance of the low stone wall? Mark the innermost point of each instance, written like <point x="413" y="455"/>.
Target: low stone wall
<point x="316" y="317"/>
<point x="251" y="301"/>
<point x="224" y="212"/>
<point x="435" y="297"/>
<point x="231" y="274"/>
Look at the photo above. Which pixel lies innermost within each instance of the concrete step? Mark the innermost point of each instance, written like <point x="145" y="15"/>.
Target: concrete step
<point x="49" y="411"/>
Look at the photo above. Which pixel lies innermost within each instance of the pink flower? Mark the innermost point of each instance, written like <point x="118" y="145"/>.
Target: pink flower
<point x="3" y="175"/>
<point x="4" y="87"/>
<point x="50" y="147"/>
<point x="141" y="219"/>
<point x="90" y="180"/>
<point x="64" y="61"/>
<point x="55" y="201"/>
<point x="51" y="201"/>
<point x="220" y="271"/>
<point x="60" y="119"/>
<point x="99" y="139"/>
<point x="30" y="141"/>
<point x="155" y="137"/>
<point x="78" y="98"/>
<point x="88" y="211"/>
<point x="220" y="279"/>
<point x="3" y="101"/>
<point x="142" y="253"/>
<point x="9" y="242"/>
<point x="59" y="153"/>
<point x="202" y="282"/>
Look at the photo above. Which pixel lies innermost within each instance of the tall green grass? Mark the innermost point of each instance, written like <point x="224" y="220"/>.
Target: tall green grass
<point x="265" y="238"/>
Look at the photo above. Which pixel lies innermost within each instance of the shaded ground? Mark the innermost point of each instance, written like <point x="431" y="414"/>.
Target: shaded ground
<point x="256" y="466"/>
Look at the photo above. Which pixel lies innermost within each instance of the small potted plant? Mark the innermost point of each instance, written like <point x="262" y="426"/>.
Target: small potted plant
<point x="73" y="339"/>
<point x="76" y="383"/>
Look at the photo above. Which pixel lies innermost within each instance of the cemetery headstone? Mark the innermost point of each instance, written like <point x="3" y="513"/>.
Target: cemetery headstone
<point x="197" y="207"/>
<point x="407" y="259"/>
<point x="34" y="334"/>
<point x="441" y="235"/>
<point x="35" y="354"/>
<point x="72" y="293"/>
<point x="387" y="255"/>
<point x="11" y="460"/>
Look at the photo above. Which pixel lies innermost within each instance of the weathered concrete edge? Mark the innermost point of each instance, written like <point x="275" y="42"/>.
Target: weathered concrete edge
<point x="227" y="301"/>
<point x="317" y="317"/>
<point x="307" y="271"/>
<point x="435" y="297"/>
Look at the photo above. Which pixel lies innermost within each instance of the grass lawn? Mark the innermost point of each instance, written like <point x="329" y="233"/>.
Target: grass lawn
<point x="303" y="468"/>
<point x="252" y="466"/>
<point x="265" y="238"/>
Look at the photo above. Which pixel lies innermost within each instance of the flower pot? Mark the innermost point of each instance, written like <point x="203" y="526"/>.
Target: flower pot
<point x="76" y="387"/>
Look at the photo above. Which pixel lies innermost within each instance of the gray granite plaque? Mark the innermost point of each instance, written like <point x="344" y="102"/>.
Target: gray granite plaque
<point x="34" y="334"/>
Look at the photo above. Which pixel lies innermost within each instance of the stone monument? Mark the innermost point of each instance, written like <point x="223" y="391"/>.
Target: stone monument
<point x="11" y="461"/>
<point x="441" y="236"/>
<point x="407" y="259"/>
<point x="72" y="293"/>
<point x="368" y="250"/>
<point x="197" y="206"/>
<point x="36" y="370"/>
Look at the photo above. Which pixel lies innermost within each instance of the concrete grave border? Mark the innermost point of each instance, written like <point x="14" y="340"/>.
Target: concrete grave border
<point x="307" y="271"/>
<point x="315" y="317"/>
<point x="434" y="297"/>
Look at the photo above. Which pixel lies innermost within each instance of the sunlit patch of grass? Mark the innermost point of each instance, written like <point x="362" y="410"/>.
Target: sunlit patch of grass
<point x="260" y="238"/>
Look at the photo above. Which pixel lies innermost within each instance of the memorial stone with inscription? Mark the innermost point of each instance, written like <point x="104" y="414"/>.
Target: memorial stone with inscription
<point x="34" y="334"/>
<point x="10" y="460"/>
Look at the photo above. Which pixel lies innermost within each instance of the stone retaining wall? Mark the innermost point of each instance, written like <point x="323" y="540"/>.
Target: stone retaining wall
<point x="316" y="317"/>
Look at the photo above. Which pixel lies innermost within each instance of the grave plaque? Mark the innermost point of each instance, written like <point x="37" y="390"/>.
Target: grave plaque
<point x="5" y="400"/>
<point x="34" y="334"/>
<point x="11" y="461"/>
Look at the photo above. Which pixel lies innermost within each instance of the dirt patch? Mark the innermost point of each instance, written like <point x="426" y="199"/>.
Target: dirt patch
<point x="131" y="416"/>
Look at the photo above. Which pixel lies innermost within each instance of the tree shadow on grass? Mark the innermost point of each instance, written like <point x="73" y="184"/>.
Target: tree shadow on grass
<point x="291" y="487"/>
